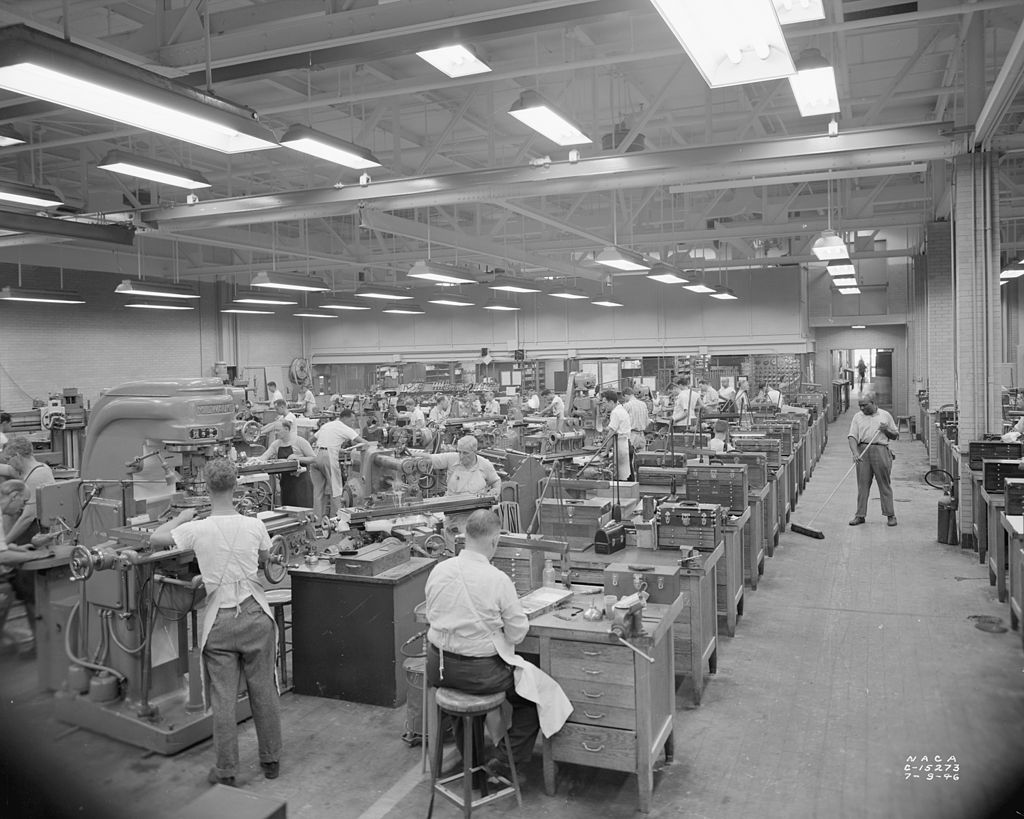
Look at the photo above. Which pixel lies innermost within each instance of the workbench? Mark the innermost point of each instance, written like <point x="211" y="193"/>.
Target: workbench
<point x="696" y="637"/>
<point x="1013" y="526"/>
<point x="986" y="516"/>
<point x="771" y="515"/>
<point x="730" y="574"/>
<point x="347" y="630"/>
<point x="753" y="538"/>
<point x="56" y="595"/>
<point x="624" y="706"/>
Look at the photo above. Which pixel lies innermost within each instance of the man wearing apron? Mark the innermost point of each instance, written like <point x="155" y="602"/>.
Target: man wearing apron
<point x="237" y="632"/>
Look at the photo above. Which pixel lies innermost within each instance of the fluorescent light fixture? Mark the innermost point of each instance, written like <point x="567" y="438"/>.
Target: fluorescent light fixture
<point x="289" y="281"/>
<point x="724" y="294"/>
<point x="382" y="292"/>
<point x="830" y="245"/>
<point x="308" y="314"/>
<point x="799" y="11"/>
<point x="257" y="297"/>
<point x="141" y="288"/>
<point x="308" y="141"/>
<point x="1012" y="271"/>
<point x="452" y="301"/>
<point x="442" y="273"/>
<point x="163" y="172"/>
<point x="29" y="195"/>
<point x="620" y="259"/>
<point x="49" y="68"/>
<point x="334" y="302"/>
<point x="857" y="327"/>
<point x="698" y="286"/>
<point x="849" y="291"/>
<point x="8" y="136"/>
<point x="606" y="301"/>
<point x="731" y="43"/>
<point x="406" y="308"/>
<point x="494" y="304"/>
<point x="814" y="85"/>
<point x="41" y="296"/>
<point x="158" y="305"/>
<point x="454" y="60"/>
<point x="537" y="113"/>
<point x="570" y="293"/>
<point x="246" y="311"/>
<point x="845" y="281"/>
<point x="841" y="268"/>
<point x="666" y="274"/>
<point x="511" y="285"/>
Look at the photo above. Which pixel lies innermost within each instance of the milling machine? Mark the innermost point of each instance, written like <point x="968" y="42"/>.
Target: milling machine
<point x="131" y="636"/>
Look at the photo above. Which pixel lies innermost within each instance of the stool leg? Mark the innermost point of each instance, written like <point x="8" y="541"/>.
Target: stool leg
<point x="467" y="767"/>
<point x="435" y="763"/>
<point x="282" y="656"/>
<point x="512" y="768"/>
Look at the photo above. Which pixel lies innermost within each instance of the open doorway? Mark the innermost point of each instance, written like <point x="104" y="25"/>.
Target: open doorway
<point x="868" y="370"/>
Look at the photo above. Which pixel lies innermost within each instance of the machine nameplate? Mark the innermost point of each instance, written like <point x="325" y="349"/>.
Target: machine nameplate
<point x="215" y="409"/>
<point x="202" y="433"/>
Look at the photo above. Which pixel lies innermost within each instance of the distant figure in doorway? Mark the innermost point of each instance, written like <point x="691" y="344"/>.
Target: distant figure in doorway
<point x="862" y="368"/>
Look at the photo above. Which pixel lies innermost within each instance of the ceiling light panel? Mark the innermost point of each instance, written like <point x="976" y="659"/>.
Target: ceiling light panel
<point x="259" y="297"/>
<point x="537" y="113"/>
<point x="142" y="288"/>
<point x="620" y="259"/>
<point x="273" y="280"/>
<point x="454" y="60"/>
<point x="508" y="284"/>
<point x="382" y="292"/>
<point x="799" y="11"/>
<point x="830" y="245"/>
<point x="48" y="68"/>
<point x="161" y="172"/>
<point x="29" y="195"/>
<point x="442" y="273"/>
<point x="324" y="146"/>
<point x="158" y="305"/>
<point x="40" y="296"/>
<point x="667" y="274"/>
<point x="814" y="85"/>
<point x="731" y="42"/>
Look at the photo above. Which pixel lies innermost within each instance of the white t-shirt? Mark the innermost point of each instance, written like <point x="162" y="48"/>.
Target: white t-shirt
<point x="276" y="396"/>
<point x="335" y="434"/>
<point x="227" y="548"/>
<point x="618" y="421"/>
<point x="557" y="407"/>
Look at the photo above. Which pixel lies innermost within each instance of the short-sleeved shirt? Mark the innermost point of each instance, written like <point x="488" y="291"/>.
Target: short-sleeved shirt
<point x="639" y="417"/>
<point x="556" y="408"/>
<point x="477" y="479"/>
<point x="227" y="548"/>
<point x="334" y="434"/>
<point x="467" y="600"/>
<point x="618" y="421"/>
<point x="863" y="427"/>
<point x="685" y="410"/>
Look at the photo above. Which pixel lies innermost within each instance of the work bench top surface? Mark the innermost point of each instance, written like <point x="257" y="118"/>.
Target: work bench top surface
<point x="1013" y="524"/>
<point x="324" y="571"/>
<point x="643" y="557"/>
<point x="657" y="619"/>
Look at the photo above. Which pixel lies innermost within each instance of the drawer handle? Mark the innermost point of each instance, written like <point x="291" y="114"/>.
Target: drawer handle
<point x="596" y="750"/>
<point x="592" y="653"/>
<point x="592" y="673"/>
<point x="596" y="696"/>
<point x="588" y="715"/>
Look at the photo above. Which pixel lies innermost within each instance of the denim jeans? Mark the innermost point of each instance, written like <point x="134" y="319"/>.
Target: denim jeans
<point x="243" y="643"/>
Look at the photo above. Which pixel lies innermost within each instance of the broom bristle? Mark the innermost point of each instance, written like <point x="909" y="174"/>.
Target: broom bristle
<point x="807" y="530"/>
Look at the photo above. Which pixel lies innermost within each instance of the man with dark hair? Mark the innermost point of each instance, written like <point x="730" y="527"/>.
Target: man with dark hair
<point x="330" y="439"/>
<point x="619" y="428"/>
<point x="554" y="406"/>
<point x="467" y="601"/>
<point x="687" y="405"/>
<point x="237" y="633"/>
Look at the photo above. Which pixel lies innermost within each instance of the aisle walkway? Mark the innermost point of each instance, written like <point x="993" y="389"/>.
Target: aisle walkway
<point x="855" y="653"/>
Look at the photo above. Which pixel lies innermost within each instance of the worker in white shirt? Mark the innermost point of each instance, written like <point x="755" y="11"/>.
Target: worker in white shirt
<point x="533" y="404"/>
<point x="619" y="428"/>
<point x="639" y="419"/>
<point x="273" y="428"/>
<point x="554" y="407"/>
<point x="687" y="406"/>
<point x="274" y="392"/>
<point x="721" y="442"/>
<point x="440" y="411"/>
<point x="468" y="473"/>
<point x="329" y="440"/>
<point x="308" y="401"/>
<point x="490" y="404"/>
<point x="5" y="427"/>
<point x="413" y="415"/>
<point x="709" y="396"/>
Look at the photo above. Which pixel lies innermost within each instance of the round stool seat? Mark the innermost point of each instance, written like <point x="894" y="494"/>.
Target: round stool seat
<point x="279" y="597"/>
<point x="461" y="703"/>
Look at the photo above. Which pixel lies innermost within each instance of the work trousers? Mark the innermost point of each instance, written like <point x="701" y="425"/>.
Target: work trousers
<point x="327" y="481"/>
<point x="242" y="641"/>
<point x="623" y="458"/>
<point x="875" y="463"/>
<point x="486" y="675"/>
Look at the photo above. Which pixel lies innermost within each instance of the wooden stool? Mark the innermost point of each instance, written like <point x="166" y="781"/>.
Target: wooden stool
<point x="278" y="599"/>
<point x="905" y="419"/>
<point x="468" y="708"/>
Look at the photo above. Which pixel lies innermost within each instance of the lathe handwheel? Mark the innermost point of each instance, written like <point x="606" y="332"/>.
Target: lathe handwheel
<point x="275" y="569"/>
<point x="82" y="564"/>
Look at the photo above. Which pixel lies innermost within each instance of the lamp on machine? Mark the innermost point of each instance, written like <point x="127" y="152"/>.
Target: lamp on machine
<point x="404" y="308"/>
<point x="830" y="245"/>
<point x="442" y="273"/>
<point x="666" y="274"/>
<point x="39" y="65"/>
<point x="730" y="43"/>
<point x="259" y="297"/>
<point x="454" y="60"/>
<point x="40" y="296"/>
<point x="309" y="141"/>
<point x="141" y="288"/>
<point x="814" y="85"/>
<point x="537" y="113"/>
<point x="144" y="168"/>
<point x="29" y="195"/>
<point x="290" y="281"/>
<point x="621" y="259"/>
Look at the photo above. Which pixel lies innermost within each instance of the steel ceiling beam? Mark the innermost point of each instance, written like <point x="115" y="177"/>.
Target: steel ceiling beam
<point x="66" y="229"/>
<point x="1002" y="93"/>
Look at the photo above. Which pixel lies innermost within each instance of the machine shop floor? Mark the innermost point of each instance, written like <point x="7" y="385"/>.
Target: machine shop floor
<point x="855" y="653"/>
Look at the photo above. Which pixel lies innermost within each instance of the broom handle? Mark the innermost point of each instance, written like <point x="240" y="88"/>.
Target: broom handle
<point x="843" y="479"/>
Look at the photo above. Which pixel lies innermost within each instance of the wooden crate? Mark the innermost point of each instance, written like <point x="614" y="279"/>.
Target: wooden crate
<point x="726" y="484"/>
<point x="994" y="472"/>
<point x="979" y="451"/>
<point x="771" y="447"/>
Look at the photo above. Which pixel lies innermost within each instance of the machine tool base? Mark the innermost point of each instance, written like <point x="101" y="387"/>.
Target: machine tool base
<point x="174" y="729"/>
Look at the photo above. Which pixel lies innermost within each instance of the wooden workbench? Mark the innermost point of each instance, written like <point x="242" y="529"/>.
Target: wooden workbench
<point x="624" y="706"/>
<point x="1013" y="526"/>
<point x="987" y="516"/>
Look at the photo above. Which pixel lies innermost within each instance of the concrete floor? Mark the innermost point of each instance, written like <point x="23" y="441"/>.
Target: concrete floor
<point x="855" y="653"/>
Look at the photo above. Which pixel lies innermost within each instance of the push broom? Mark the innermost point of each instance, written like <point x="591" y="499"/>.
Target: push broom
<point x="807" y="529"/>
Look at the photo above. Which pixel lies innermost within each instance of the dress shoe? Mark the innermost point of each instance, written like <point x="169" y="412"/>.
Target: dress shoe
<point x="857" y="521"/>
<point x="215" y="779"/>
<point x="892" y="520"/>
<point x="271" y="770"/>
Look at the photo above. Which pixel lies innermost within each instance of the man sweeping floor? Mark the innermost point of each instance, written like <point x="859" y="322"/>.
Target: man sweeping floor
<point x="872" y="456"/>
